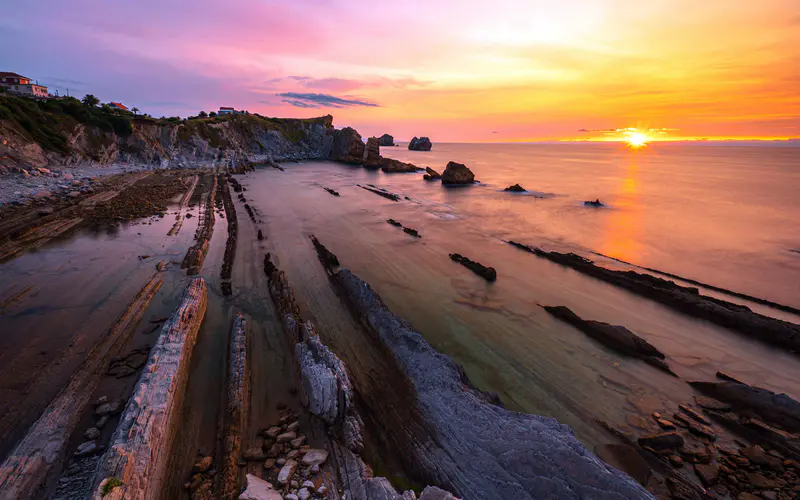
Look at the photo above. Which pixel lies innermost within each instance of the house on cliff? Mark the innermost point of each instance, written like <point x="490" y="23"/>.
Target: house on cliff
<point x="117" y="105"/>
<point x="21" y="85"/>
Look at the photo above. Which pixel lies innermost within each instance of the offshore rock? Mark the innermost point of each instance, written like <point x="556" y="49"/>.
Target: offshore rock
<point x="616" y="337"/>
<point x="420" y="144"/>
<point x="516" y="188"/>
<point x="457" y="173"/>
<point x="391" y="166"/>
<point x="372" y="154"/>
<point x="778" y="409"/>
<point x="347" y="146"/>
<point x="386" y="140"/>
<point x="482" y="450"/>
<point x="431" y="174"/>
<point x="487" y="273"/>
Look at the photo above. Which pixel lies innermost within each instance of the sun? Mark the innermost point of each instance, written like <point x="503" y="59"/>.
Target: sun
<point x="637" y="139"/>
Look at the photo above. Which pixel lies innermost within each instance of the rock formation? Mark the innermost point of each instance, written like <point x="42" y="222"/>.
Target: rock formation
<point x="479" y="450"/>
<point x="372" y="154"/>
<point x="457" y="173"/>
<point x="431" y="174"/>
<point x="420" y="144"/>
<point x="487" y="273"/>
<point x="391" y="166"/>
<point x="33" y="460"/>
<point x="237" y="402"/>
<point x="386" y="140"/>
<point x="596" y="203"/>
<point x="616" y="337"/>
<point x="685" y="299"/>
<point x="347" y="146"/>
<point x="516" y="188"/>
<point x="138" y="454"/>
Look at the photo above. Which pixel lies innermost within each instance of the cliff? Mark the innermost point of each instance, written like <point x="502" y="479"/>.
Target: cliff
<point x="64" y="132"/>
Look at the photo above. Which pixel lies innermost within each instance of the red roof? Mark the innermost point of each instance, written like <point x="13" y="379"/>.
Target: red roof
<point x="4" y="74"/>
<point x="118" y="105"/>
<point x="222" y="107"/>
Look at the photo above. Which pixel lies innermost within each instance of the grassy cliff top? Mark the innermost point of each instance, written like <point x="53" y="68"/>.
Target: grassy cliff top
<point x="50" y="122"/>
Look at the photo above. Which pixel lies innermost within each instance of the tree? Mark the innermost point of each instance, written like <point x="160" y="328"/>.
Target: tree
<point x="90" y="100"/>
<point x="202" y="114"/>
<point x="135" y="110"/>
<point x="212" y="114"/>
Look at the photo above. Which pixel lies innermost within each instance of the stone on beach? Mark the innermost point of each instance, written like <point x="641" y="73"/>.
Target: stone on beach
<point x="287" y="471"/>
<point x="315" y="457"/>
<point x="661" y="441"/>
<point x="258" y="489"/>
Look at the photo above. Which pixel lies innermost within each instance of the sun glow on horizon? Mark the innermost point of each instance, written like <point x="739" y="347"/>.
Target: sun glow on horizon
<point x="637" y="139"/>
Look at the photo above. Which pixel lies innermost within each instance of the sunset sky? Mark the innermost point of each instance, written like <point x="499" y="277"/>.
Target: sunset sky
<point x="454" y="70"/>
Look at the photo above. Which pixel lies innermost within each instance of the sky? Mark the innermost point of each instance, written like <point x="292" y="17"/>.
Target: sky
<point x="453" y="70"/>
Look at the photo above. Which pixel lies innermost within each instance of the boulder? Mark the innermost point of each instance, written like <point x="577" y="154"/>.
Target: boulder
<point x="372" y="154"/>
<point x="287" y="471"/>
<point x="420" y="144"/>
<point x="315" y="457"/>
<point x="431" y="174"/>
<point x="347" y="146"/>
<point x="386" y="140"/>
<point x="516" y="188"/>
<point x="390" y="166"/>
<point x="457" y="173"/>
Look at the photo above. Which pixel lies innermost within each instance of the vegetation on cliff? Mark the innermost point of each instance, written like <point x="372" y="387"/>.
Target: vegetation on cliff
<point x="53" y="123"/>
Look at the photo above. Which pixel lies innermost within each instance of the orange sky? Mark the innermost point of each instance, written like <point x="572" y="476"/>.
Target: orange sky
<point x="466" y="70"/>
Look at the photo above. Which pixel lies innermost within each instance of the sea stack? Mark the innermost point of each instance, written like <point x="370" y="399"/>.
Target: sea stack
<point x="457" y="173"/>
<point x="386" y="140"/>
<point x="420" y="144"/>
<point x="347" y="146"/>
<point x="372" y="153"/>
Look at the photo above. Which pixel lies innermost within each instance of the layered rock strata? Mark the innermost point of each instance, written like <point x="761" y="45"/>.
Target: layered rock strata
<point x="480" y="450"/>
<point x="137" y="457"/>
<point x="688" y="300"/>
<point x="41" y="450"/>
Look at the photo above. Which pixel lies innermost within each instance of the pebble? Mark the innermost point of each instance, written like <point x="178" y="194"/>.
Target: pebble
<point x="86" y="448"/>
<point x="281" y="461"/>
<point x="92" y="433"/>
<point x="293" y="426"/>
<point x="315" y="457"/>
<point x="303" y="494"/>
<point x="294" y="484"/>
<point x="287" y="437"/>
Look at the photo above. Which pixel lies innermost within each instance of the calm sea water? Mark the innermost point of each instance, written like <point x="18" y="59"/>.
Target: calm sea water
<point x="725" y="215"/>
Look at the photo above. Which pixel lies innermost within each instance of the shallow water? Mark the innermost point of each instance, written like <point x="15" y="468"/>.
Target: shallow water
<point x="658" y="216"/>
<point x="507" y="343"/>
<point x="724" y="215"/>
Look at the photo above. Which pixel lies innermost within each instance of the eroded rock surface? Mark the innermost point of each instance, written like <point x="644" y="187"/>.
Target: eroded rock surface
<point x="420" y="144"/>
<point x="372" y="154"/>
<point x="481" y="450"/>
<point x="457" y="173"/>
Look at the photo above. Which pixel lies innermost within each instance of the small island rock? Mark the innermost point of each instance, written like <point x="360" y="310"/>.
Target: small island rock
<point x="457" y="173"/>
<point x="386" y="140"/>
<point x="516" y="188"/>
<point x="420" y="144"/>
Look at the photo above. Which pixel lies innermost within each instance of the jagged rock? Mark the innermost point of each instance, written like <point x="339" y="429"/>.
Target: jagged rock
<point x="616" y="337"/>
<point x="258" y="489"/>
<point x="391" y="166"/>
<point x="386" y="140"/>
<point x="661" y="441"/>
<point x="457" y="173"/>
<point x="140" y="448"/>
<point x="516" y="188"/>
<point x="694" y="414"/>
<point x="431" y="174"/>
<point x="347" y="146"/>
<point x="420" y="144"/>
<point x="778" y="409"/>
<point x="711" y="404"/>
<point x="372" y="154"/>
<point x="596" y="203"/>
<point x="481" y="450"/>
